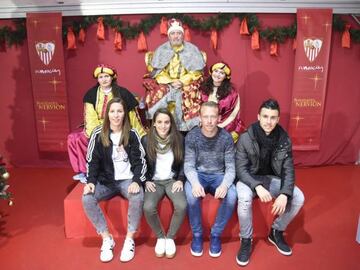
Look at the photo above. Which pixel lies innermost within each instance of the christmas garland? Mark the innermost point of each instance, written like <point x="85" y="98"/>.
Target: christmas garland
<point x="10" y="36"/>
<point x="340" y="25"/>
<point x="13" y="37"/>
<point x="217" y="22"/>
<point x="4" y="176"/>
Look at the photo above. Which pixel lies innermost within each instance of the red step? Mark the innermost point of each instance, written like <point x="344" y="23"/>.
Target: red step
<point x="115" y="210"/>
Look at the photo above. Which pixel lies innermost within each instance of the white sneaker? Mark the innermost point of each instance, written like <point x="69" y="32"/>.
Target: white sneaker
<point x="107" y="247"/>
<point x="170" y="248"/>
<point x="128" y="250"/>
<point x="160" y="247"/>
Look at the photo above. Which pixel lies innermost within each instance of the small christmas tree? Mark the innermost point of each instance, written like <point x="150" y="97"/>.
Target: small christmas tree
<point x="4" y="176"/>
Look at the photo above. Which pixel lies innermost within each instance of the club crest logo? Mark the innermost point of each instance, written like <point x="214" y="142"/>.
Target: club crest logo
<point x="45" y="51"/>
<point x="312" y="48"/>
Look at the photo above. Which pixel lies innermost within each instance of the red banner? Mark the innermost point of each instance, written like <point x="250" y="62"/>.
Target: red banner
<point x="310" y="77"/>
<point x="44" y="35"/>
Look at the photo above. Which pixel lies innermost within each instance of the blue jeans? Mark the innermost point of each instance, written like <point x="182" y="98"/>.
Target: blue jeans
<point x="210" y="182"/>
<point x="102" y="193"/>
<point x="246" y="196"/>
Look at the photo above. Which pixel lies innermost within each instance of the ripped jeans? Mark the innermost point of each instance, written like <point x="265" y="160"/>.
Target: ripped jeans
<point x="102" y="193"/>
<point x="245" y="200"/>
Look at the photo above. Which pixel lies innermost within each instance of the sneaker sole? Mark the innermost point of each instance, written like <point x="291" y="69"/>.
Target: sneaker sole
<point x="159" y="255"/>
<point x="107" y="261"/>
<point x="170" y="256"/>
<point x="214" y="255"/>
<point x="127" y="260"/>
<point x="196" y="254"/>
<point x="281" y="251"/>
<point x="242" y="263"/>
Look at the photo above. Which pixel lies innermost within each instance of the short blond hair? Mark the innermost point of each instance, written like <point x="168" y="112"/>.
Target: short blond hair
<point x="210" y="104"/>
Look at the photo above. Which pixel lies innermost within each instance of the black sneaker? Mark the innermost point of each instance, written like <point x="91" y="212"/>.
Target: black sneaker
<point x="277" y="239"/>
<point x="243" y="256"/>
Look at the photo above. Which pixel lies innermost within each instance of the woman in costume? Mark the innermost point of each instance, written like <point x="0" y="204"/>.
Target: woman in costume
<point x="217" y="87"/>
<point x="95" y="101"/>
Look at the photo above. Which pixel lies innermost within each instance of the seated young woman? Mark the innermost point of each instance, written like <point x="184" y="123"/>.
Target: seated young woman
<point x="116" y="165"/>
<point x="165" y="176"/>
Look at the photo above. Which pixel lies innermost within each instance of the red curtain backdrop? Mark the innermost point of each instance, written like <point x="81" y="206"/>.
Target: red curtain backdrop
<point x="310" y="77"/>
<point x="255" y="73"/>
<point x="47" y="69"/>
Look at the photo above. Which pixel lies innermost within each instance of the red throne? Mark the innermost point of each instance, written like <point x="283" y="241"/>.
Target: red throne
<point x="115" y="210"/>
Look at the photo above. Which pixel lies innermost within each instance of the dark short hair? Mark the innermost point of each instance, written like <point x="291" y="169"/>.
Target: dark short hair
<point x="271" y="104"/>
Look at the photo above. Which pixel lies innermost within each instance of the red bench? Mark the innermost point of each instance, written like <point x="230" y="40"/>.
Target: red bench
<point x="115" y="210"/>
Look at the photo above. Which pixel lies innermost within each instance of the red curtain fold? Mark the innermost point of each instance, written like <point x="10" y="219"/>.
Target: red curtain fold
<point x="187" y="35"/>
<point x="100" y="33"/>
<point x="141" y="43"/>
<point x="82" y="35"/>
<point x="163" y="26"/>
<point x="71" y="45"/>
<point x="274" y="48"/>
<point x="118" y="41"/>
<point x="255" y="44"/>
<point x="345" y="38"/>
<point x="244" y="27"/>
<point x="294" y="45"/>
<point x="214" y="39"/>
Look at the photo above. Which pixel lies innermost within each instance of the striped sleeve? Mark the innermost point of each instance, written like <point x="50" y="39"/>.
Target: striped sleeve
<point x="137" y="155"/>
<point x="92" y="157"/>
<point x="91" y="144"/>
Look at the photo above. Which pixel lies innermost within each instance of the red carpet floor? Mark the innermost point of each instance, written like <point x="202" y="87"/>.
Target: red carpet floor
<point x="322" y="236"/>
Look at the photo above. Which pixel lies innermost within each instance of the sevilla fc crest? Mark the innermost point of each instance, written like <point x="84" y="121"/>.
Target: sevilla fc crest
<point x="45" y="51"/>
<point x="312" y="48"/>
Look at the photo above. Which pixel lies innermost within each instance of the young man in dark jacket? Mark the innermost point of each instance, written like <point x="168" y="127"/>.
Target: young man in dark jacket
<point x="265" y="169"/>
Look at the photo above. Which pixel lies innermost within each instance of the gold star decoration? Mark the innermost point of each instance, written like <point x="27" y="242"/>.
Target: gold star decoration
<point x="297" y="119"/>
<point x="327" y="25"/>
<point x="305" y="18"/>
<point x="35" y="22"/>
<point x="44" y="122"/>
<point x="54" y="82"/>
<point x="57" y="28"/>
<point x="316" y="78"/>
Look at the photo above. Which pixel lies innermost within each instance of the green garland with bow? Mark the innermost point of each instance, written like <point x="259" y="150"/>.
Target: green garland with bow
<point x="11" y="36"/>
